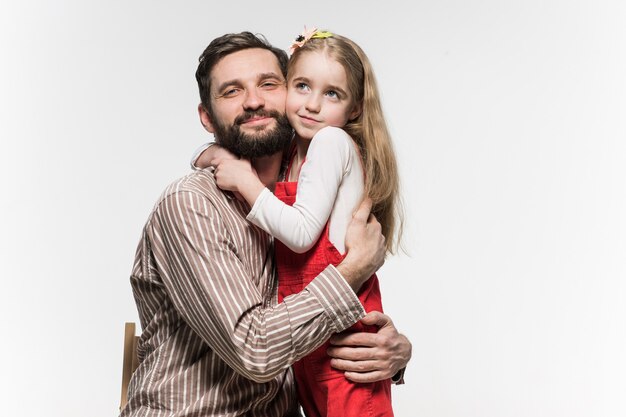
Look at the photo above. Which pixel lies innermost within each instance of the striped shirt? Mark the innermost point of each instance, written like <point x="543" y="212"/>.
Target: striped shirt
<point x="215" y="342"/>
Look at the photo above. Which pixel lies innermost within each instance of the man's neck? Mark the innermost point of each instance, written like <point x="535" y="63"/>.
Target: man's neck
<point x="268" y="168"/>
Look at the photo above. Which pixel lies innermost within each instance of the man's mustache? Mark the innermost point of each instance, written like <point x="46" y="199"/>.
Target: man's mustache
<point x="247" y="115"/>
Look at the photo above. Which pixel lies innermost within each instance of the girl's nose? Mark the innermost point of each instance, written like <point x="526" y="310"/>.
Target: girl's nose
<point x="313" y="103"/>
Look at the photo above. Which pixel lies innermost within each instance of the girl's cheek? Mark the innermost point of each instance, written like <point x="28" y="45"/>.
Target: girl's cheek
<point x="291" y="105"/>
<point x="288" y="109"/>
<point x="291" y="115"/>
<point x="289" y="101"/>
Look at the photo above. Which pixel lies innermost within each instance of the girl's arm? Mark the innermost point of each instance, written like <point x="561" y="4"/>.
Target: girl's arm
<point x="330" y="156"/>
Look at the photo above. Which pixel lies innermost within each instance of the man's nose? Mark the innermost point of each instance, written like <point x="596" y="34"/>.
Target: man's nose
<point x="313" y="103"/>
<point x="253" y="100"/>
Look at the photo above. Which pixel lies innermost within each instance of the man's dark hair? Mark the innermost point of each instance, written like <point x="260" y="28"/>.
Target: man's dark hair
<point x="226" y="45"/>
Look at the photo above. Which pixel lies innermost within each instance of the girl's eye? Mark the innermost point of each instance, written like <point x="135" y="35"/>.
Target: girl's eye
<point x="332" y="94"/>
<point x="302" y="86"/>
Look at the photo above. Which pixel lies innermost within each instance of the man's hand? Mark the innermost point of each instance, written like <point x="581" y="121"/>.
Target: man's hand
<point x="370" y="357"/>
<point x="365" y="247"/>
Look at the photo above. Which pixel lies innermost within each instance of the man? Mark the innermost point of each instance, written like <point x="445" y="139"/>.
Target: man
<point x="215" y="341"/>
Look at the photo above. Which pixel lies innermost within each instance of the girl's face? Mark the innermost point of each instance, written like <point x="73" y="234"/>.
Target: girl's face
<point x="317" y="95"/>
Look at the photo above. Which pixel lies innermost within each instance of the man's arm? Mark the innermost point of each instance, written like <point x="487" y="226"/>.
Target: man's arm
<point x="368" y="357"/>
<point x="214" y="292"/>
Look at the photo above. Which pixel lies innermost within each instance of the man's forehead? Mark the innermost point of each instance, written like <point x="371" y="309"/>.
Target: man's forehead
<point x="246" y="64"/>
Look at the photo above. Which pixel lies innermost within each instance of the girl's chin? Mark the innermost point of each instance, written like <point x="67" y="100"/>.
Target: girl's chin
<point x="305" y="135"/>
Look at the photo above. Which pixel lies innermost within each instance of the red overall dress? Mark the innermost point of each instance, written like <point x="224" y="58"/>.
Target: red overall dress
<point x="324" y="391"/>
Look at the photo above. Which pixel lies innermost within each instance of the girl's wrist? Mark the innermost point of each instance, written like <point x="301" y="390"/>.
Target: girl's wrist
<point x="251" y="188"/>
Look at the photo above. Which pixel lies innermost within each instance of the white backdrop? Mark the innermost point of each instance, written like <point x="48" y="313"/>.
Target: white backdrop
<point x="508" y="118"/>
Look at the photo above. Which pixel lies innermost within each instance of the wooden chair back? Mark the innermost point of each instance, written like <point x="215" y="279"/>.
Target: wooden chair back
<point x="130" y="360"/>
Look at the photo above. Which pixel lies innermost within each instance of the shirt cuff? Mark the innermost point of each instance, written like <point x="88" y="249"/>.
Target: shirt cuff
<point x="337" y="298"/>
<point x="196" y="154"/>
<point x="398" y="378"/>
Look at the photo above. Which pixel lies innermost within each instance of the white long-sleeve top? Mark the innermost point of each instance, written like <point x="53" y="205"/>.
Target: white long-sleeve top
<point x="330" y="187"/>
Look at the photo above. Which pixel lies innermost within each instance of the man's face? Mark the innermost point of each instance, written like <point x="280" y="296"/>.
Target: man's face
<point x="248" y="104"/>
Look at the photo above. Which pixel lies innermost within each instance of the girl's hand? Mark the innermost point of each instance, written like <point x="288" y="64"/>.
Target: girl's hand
<point x="233" y="174"/>
<point x="238" y="176"/>
<point x="213" y="152"/>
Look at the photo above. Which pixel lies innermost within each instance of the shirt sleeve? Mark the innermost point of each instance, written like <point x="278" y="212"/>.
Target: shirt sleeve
<point x="299" y="226"/>
<point x="196" y="154"/>
<point x="215" y="293"/>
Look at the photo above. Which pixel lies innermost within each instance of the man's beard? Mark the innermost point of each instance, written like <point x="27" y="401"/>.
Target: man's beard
<point x="248" y="146"/>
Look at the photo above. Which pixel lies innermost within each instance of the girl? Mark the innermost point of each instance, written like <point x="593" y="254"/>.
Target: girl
<point x="342" y="151"/>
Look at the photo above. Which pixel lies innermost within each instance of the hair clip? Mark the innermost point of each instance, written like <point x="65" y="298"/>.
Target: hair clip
<point x="306" y="35"/>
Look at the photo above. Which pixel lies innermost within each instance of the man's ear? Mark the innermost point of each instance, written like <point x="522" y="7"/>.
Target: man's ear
<point x="356" y="112"/>
<point x="205" y="119"/>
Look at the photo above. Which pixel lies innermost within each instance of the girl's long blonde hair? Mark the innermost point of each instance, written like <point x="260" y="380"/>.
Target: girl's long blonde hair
<point x="369" y="131"/>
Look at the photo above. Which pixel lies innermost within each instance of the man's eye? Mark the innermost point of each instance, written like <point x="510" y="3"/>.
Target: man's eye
<point x="230" y="92"/>
<point x="269" y="84"/>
